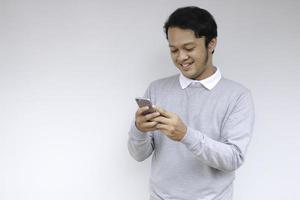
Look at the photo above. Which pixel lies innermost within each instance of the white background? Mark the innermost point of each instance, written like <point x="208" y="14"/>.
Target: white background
<point x="69" y="72"/>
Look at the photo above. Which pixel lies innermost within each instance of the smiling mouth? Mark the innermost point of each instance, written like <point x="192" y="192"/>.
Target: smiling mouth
<point x="186" y="66"/>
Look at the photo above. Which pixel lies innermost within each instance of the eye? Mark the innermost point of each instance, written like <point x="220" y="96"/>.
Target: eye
<point x="174" y="50"/>
<point x="189" y="49"/>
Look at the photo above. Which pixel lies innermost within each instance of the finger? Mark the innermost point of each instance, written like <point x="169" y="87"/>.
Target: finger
<point x="162" y="126"/>
<point x="149" y="124"/>
<point x="162" y="120"/>
<point x="151" y="115"/>
<point x="163" y="112"/>
<point x="141" y="110"/>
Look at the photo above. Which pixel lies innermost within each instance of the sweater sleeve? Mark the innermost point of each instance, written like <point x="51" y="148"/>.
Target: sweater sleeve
<point x="229" y="153"/>
<point x="140" y="145"/>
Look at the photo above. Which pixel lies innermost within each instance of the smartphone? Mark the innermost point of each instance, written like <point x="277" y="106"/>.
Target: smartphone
<point x="145" y="102"/>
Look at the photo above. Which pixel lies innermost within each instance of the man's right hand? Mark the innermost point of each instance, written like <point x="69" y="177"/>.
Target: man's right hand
<point x="143" y="122"/>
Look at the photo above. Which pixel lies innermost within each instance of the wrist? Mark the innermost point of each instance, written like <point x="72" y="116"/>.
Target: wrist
<point x="138" y="128"/>
<point x="183" y="132"/>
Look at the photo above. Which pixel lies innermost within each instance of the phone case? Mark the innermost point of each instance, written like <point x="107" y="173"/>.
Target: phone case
<point x="145" y="102"/>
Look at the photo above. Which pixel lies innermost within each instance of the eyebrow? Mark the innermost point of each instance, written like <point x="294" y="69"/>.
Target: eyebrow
<point x="189" y="43"/>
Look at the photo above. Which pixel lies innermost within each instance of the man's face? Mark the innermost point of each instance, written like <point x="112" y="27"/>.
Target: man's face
<point x="189" y="53"/>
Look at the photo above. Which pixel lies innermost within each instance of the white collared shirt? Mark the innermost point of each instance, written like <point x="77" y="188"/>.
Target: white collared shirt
<point x="209" y="82"/>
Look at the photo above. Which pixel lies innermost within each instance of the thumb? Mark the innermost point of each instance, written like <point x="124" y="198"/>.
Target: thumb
<point x="163" y="112"/>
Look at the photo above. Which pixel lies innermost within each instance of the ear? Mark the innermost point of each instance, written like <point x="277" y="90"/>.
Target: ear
<point x="212" y="45"/>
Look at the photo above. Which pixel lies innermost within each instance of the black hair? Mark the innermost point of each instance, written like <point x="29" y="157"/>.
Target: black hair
<point x="197" y="19"/>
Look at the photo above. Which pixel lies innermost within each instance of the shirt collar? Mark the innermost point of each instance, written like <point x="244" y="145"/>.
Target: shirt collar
<point x="209" y="82"/>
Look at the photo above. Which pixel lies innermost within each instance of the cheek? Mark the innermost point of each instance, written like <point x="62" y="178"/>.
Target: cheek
<point x="200" y="56"/>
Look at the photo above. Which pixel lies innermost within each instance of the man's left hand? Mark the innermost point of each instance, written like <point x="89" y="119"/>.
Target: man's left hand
<point x="170" y="124"/>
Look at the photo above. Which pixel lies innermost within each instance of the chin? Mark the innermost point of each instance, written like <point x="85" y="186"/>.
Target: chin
<point x="188" y="76"/>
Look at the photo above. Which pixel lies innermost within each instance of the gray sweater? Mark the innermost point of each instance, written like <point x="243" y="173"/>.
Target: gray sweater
<point x="201" y="166"/>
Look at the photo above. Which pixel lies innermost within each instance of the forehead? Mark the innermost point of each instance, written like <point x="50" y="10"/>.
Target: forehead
<point x="179" y="37"/>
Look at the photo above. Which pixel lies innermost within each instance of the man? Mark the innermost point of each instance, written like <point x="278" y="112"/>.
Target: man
<point x="203" y="122"/>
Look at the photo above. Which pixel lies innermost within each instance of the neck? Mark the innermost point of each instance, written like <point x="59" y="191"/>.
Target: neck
<point x="208" y="71"/>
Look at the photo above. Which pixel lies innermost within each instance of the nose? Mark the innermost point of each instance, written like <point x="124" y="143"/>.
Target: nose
<point x="182" y="56"/>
